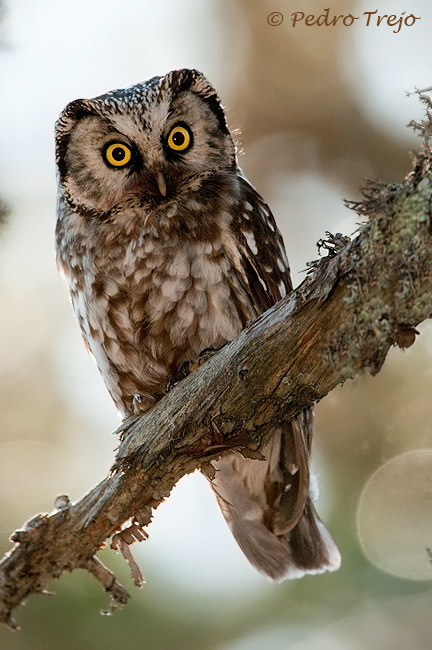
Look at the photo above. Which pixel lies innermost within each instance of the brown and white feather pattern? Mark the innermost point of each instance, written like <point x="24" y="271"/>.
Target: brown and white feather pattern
<point x="173" y="254"/>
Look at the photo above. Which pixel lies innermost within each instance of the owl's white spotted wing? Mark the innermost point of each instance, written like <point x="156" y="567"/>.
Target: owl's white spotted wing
<point x="268" y="504"/>
<point x="263" y="270"/>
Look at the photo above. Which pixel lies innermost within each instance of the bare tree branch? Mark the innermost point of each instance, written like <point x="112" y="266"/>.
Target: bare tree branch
<point x="365" y="296"/>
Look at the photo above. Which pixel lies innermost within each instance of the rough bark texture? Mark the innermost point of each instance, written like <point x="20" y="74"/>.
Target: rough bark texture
<point x="365" y="296"/>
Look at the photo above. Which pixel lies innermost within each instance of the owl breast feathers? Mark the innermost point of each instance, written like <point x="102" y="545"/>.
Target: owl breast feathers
<point x="168" y="250"/>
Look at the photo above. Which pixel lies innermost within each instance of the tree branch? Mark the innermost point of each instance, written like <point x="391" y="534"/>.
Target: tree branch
<point x="365" y="296"/>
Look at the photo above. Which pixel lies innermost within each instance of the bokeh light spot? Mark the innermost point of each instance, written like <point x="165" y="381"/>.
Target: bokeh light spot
<point x="394" y="516"/>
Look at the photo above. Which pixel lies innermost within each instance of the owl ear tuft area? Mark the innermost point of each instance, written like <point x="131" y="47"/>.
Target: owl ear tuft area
<point x="195" y="81"/>
<point x="73" y="112"/>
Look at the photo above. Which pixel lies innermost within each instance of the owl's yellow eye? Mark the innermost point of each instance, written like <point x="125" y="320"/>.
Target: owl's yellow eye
<point x="117" y="154"/>
<point x="179" y="139"/>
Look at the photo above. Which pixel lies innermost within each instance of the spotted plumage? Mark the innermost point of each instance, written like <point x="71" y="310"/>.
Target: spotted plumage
<point x="168" y="250"/>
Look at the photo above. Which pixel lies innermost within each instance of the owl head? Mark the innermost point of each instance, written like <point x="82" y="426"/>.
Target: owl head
<point x="141" y="145"/>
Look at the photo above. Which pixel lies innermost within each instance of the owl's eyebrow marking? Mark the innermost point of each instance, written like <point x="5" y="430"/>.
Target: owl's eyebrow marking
<point x="113" y="131"/>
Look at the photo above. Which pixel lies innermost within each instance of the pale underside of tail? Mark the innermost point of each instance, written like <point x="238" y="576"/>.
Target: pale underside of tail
<point x="268" y="505"/>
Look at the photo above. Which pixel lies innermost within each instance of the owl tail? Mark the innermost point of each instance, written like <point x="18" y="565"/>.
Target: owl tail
<point x="268" y="506"/>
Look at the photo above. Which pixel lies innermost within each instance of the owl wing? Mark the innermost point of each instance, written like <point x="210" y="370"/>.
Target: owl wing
<point x="262" y="267"/>
<point x="268" y="504"/>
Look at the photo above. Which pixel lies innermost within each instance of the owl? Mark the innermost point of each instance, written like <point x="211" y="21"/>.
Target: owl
<point x="168" y="250"/>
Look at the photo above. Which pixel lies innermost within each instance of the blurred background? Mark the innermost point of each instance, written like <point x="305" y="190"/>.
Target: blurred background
<point x="317" y="110"/>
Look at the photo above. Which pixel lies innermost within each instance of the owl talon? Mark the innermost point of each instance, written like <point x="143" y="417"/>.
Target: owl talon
<point x="137" y="404"/>
<point x="181" y="373"/>
<point x="206" y="354"/>
<point x="141" y="403"/>
<point x="191" y="366"/>
<point x="188" y="367"/>
<point x="170" y="385"/>
<point x="184" y="371"/>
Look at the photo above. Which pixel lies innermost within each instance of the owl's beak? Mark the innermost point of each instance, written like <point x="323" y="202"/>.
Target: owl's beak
<point x="161" y="183"/>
